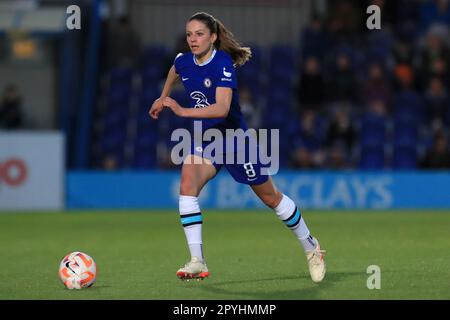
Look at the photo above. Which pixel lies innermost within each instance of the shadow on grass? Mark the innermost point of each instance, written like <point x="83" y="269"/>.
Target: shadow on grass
<point x="312" y="291"/>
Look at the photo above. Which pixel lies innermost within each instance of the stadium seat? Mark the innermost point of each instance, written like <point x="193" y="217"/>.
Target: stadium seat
<point x="405" y="135"/>
<point x="144" y="160"/>
<point x="115" y="119"/>
<point x="373" y="131"/>
<point x="380" y="44"/>
<point x="113" y="141"/>
<point x="371" y="158"/>
<point x="281" y="64"/>
<point x="154" y="54"/>
<point x="120" y="76"/>
<point x="405" y="158"/>
<point x="145" y="148"/>
<point x="118" y="98"/>
<point x="151" y="75"/>
<point x="409" y="105"/>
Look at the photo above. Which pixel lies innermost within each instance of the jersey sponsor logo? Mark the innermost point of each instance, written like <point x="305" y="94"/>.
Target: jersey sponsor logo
<point x="184" y="79"/>
<point x="200" y="99"/>
<point x="207" y="82"/>
<point x="226" y="79"/>
<point x="225" y="73"/>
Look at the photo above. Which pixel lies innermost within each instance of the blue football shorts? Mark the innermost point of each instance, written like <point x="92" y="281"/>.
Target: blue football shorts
<point x="243" y="168"/>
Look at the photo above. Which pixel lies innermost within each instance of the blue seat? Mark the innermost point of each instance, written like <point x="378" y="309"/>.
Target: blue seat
<point x="274" y="120"/>
<point x="144" y="160"/>
<point x="118" y="98"/>
<point x="145" y="147"/>
<point x="313" y="43"/>
<point x="120" y="76"/>
<point x="372" y="158"/>
<point x="113" y="141"/>
<point x="373" y="131"/>
<point x="282" y="54"/>
<point x="405" y="158"/>
<point x="282" y="64"/>
<point x="380" y="44"/>
<point x="151" y="75"/>
<point x="154" y="54"/>
<point x="409" y="104"/>
<point x="147" y="97"/>
<point x="279" y="99"/>
<point x="405" y="135"/>
<point x="115" y="119"/>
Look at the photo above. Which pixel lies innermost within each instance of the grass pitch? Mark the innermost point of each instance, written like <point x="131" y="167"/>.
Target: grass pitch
<point x="250" y="255"/>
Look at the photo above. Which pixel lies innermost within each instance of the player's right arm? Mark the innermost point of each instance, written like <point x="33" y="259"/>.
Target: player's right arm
<point x="157" y="106"/>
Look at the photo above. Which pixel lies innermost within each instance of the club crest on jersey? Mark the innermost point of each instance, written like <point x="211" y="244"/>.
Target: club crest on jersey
<point x="207" y="82"/>
<point x="200" y="99"/>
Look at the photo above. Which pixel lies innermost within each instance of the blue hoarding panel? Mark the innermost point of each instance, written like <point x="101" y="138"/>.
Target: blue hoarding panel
<point x="324" y="190"/>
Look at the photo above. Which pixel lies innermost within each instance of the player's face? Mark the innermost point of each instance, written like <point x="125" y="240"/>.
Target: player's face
<point x="199" y="38"/>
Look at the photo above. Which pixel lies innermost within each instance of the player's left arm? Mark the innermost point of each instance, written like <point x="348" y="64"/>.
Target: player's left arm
<point x="219" y="109"/>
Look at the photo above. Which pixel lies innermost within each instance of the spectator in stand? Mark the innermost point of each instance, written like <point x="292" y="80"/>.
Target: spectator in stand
<point x="377" y="108"/>
<point x="345" y="22"/>
<point x="438" y="157"/>
<point x="341" y="130"/>
<point x="303" y="159"/>
<point x="309" y="142"/>
<point x="123" y="44"/>
<point x="11" y="116"/>
<point x="313" y="40"/>
<point x="435" y="57"/>
<point x="337" y="157"/>
<point x="403" y="48"/>
<point x="437" y="103"/>
<point x="251" y="113"/>
<point x="109" y="163"/>
<point x="434" y="11"/>
<point x="377" y="86"/>
<point x="342" y="83"/>
<point x="312" y="85"/>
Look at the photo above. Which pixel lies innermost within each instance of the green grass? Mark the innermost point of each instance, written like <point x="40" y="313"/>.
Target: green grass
<point x="250" y="254"/>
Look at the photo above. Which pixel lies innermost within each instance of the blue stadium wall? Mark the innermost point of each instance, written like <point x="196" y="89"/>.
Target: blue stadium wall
<point x="318" y="190"/>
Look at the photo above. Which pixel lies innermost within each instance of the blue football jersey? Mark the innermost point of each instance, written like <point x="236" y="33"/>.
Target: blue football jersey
<point x="200" y="82"/>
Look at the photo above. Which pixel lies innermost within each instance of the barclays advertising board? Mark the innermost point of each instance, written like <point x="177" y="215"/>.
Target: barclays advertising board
<point x="318" y="190"/>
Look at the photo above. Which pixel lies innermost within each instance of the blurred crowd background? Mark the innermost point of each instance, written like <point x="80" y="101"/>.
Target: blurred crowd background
<point x="343" y="96"/>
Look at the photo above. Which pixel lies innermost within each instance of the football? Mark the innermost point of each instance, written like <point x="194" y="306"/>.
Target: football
<point x="77" y="270"/>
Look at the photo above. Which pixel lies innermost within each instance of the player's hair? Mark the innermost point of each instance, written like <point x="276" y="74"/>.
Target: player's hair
<point x="225" y="39"/>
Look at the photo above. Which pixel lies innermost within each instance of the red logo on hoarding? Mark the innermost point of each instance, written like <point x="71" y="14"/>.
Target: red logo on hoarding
<point x="13" y="172"/>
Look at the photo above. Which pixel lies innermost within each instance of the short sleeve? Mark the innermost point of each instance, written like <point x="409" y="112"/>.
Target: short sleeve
<point x="176" y="62"/>
<point x="226" y="74"/>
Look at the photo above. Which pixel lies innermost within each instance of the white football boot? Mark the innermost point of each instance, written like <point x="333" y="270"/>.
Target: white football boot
<point x="316" y="264"/>
<point x="194" y="269"/>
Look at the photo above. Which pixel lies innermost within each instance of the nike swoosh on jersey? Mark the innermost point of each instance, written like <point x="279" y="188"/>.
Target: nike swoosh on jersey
<point x="184" y="79"/>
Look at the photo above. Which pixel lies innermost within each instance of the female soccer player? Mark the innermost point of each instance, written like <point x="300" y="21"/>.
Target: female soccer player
<point x="209" y="79"/>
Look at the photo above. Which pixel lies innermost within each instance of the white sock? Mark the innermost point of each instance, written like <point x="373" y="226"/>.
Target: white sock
<point x="191" y="219"/>
<point x="288" y="212"/>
